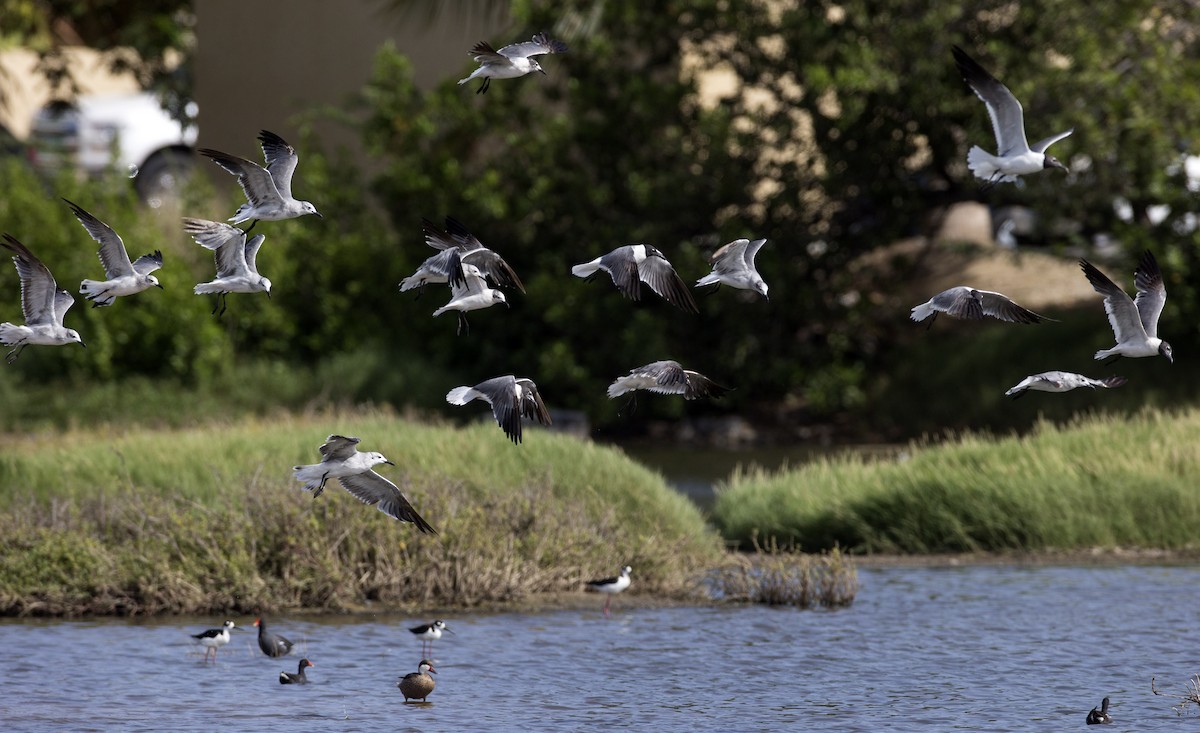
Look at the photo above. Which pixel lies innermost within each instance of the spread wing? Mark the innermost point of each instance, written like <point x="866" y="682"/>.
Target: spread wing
<point x="662" y="279"/>
<point x="338" y="448"/>
<point x="540" y="44"/>
<point x="256" y="181"/>
<point x="484" y="53"/>
<point x="1008" y="119"/>
<point x="38" y="289"/>
<point x="281" y="161"/>
<point x="699" y="385"/>
<point x="62" y="303"/>
<point x="620" y="265"/>
<point x="501" y="393"/>
<point x="1122" y="313"/>
<point x="147" y="264"/>
<point x="488" y="261"/>
<point x="960" y="302"/>
<point x="752" y="252"/>
<point x="470" y="283"/>
<point x="532" y="406"/>
<point x="1000" y="306"/>
<point x="732" y="257"/>
<point x="251" y="252"/>
<point x="112" y="250"/>
<point x="1152" y="295"/>
<point x="1041" y="145"/>
<point x="371" y="488"/>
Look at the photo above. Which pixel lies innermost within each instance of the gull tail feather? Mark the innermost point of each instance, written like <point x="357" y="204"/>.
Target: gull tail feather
<point x="91" y="289"/>
<point x="587" y="269"/>
<point x="921" y="312"/>
<point x="460" y="395"/>
<point x="10" y="335"/>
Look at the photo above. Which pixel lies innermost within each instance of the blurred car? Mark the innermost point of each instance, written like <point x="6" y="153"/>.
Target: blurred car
<point x="130" y="133"/>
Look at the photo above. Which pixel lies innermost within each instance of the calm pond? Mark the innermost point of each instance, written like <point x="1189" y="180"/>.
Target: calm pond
<point x="923" y="649"/>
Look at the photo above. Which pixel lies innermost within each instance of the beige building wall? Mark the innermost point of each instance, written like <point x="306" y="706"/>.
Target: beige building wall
<point x="265" y="64"/>
<point x="24" y="91"/>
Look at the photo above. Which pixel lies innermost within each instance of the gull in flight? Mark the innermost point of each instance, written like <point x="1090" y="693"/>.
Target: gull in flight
<point x="513" y="60"/>
<point x="1134" y="322"/>
<point x="733" y="265"/>
<point x="469" y="293"/>
<point x="1016" y="157"/>
<point x="237" y="267"/>
<point x="456" y="242"/>
<point x="972" y="304"/>
<point x="511" y="399"/>
<point x="340" y="459"/>
<point x="268" y="190"/>
<point x="124" y="277"/>
<point x="1061" y="382"/>
<point x="43" y="303"/>
<point x="633" y="264"/>
<point x="666" y="377"/>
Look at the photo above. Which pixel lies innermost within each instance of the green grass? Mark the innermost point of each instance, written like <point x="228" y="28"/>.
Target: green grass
<point x="208" y="519"/>
<point x="1101" y="481"/>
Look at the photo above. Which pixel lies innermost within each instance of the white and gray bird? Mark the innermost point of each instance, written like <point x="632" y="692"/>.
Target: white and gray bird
<point x="516" y="59"/>
<point x="1061" y="382"/>
<point x="1134" y="322"/>
<point x="457" y="243"/>
<point x="43" y="303"/>
<point x="340" y="459"/>
<point x="972" y="304"/>
<point x="237" y="260"/>
<point x="667" y="377"/>
<point x="470" y="293"/>
<point x="733" y="265"/>
<point x="268" y="190"/>
<point x="634" y="264"/>
<point x="511" y="399"/>
<point x="611" y="586"/>
<point x="214" y="639"/>
<point x="1015" y="156"/>
<point x="124" y="277"/>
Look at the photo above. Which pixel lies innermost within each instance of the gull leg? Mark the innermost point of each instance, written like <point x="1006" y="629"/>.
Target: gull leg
<point x="250" y="227"/>
<point x="487" y="80"/>
<point x="713" y="291"/>
<point x="224" y="304"/>
<point x="12" y="355"/>
<point x="1111" y="359"/>
<point x="931" y="320"/>
<point x="463" y="322"/>
<point x="321" y="488"/>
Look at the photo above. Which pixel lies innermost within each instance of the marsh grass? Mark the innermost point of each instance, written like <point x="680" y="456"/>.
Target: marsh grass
<point x="1102" y="481"/>
<point x="208" y="520"/>
<point x="1190" y="696"/>
<point x="784" y="576"/>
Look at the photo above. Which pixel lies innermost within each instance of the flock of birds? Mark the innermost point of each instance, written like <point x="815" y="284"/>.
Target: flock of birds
<point x="474" y="274"/>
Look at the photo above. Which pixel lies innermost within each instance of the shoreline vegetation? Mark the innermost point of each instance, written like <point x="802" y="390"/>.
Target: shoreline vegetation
<point x="137" y="521"/>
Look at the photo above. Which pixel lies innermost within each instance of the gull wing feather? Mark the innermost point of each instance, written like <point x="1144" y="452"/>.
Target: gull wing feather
<point x="112" y="250"/>
<point x="1001" y="306"/>
<point x="256" y="182"/>
<point x="699" y="385"/>
<point x="338" y="448"/>
<point x="372" y="489"/>
<point x="483" y="53"/>
<point x="501" y="394"/>
<point x="1041" y="145"/>
<point x="1008" y="119"/>
<point x="619" y="264"/>
<point x="532" y="406"/>
<point x="662" y="279"/>
<point x="1152" y="294"/>
<point x="489" y="262"/>
<point x="281" y="161"/>
<point x="147" y="264"/>
<point x="730" y="258"/>
<point x="540" y="44"/>
<point x="1122" y="313"/>
<point x="62" y="303"/>
<point x="38" y="288"/>
<point x="251" y="252"/>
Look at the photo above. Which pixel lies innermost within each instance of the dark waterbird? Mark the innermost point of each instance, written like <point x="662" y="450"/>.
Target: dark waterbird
<point x="299" y="678"/>
<point x="273" y="645"/>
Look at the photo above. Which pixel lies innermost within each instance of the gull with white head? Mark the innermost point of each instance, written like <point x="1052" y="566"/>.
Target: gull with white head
<point x="268" y="190"/>
<point x="1134" y="321"/>
<point x="733" y="265"/>
<point x="511" y="399"/>
<point x="971" y="304"/>
<point x="1061" y="382"/>
<point x="666" y="377"/>
<point x="43" y="303"/>
<point x="124" y="277"/>
<point x="634" y="264"/>
<point x="470" y="293"/>
<point x="516" y="59"/>
<point x="456" y="243"/>
<point x="1015" y="156"/>
<point x="237" y="260"/>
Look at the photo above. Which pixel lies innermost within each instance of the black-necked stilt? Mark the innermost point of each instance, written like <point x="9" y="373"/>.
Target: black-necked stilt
<point x="611" y="586"/>
<point x="417" y="685"/>
<point x="1100" y="716"/>
<point x="287" y="678"/>
<point x="273" y="645"/>
<point x="429" y="633"/>
<point x="214" y="639"/>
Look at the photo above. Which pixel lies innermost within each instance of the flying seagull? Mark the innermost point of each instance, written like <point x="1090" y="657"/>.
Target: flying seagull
<point x="470" y="293"/>
<point x="268" y="190"/>
<point x="1016" y="157"/>
<point x="43" y="303"/>
<point x="972" y="304"/>
<point x="1060" y="382"/>
<point x="124" y="277"/>
<point x="237" y="260"/>
<point x="513" y="60"/>
<point x="634" y="264"/>
<point x="667" y="377"/>
<point x="733" y="265"/>
<point x="457" y="242"/>
<point x="340" y="459"/>
<point x="1134" y="322"/>
<point x="511" y="399"/>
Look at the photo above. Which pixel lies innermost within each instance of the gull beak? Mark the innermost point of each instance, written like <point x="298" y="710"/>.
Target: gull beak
<point x="83" y="344"/>
<point x="268" y="295"/>
<point x="389" y="463"/>
<point x="543" y="71"/>
<point x="318" y="215"/>
<point x="159" y="286"/>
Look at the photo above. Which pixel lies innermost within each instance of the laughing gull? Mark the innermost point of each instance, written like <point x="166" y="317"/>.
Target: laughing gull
<point x="43" y="303"/>
<point x="287" y="678"/>
<point x="733" y="265"/>
<point x="667" y="377"/>
<point x="214" y="639"/>
<point x="1134" y="322"/>
<point x="237" y="260"/>
<point x="511" y="61"/>
<point x="511" y="399"/>
<point x="972" y="304"/>
<point x="429" y="633"/>
<point x="457" y="241"/>
<point x="1016" y="157"/>
<point x="124" y="277"/>
<point x="418" y="685"/>
<point x="611" y="586"/>
<point x="268" y="190"/>
<point x="634" y="264"/>
<point x="1100" y="716"/>
<point x="1060" y="382"/>
<point x="340" y="459"/>
<point x="470" y="293"/>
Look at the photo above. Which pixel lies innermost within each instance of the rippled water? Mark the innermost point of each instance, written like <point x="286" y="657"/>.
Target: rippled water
<point x="966" y="648"/>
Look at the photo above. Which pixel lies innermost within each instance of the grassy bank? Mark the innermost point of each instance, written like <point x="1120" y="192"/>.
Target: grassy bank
<point x="1095" y="482"/>
<point x="209" y="520"/>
